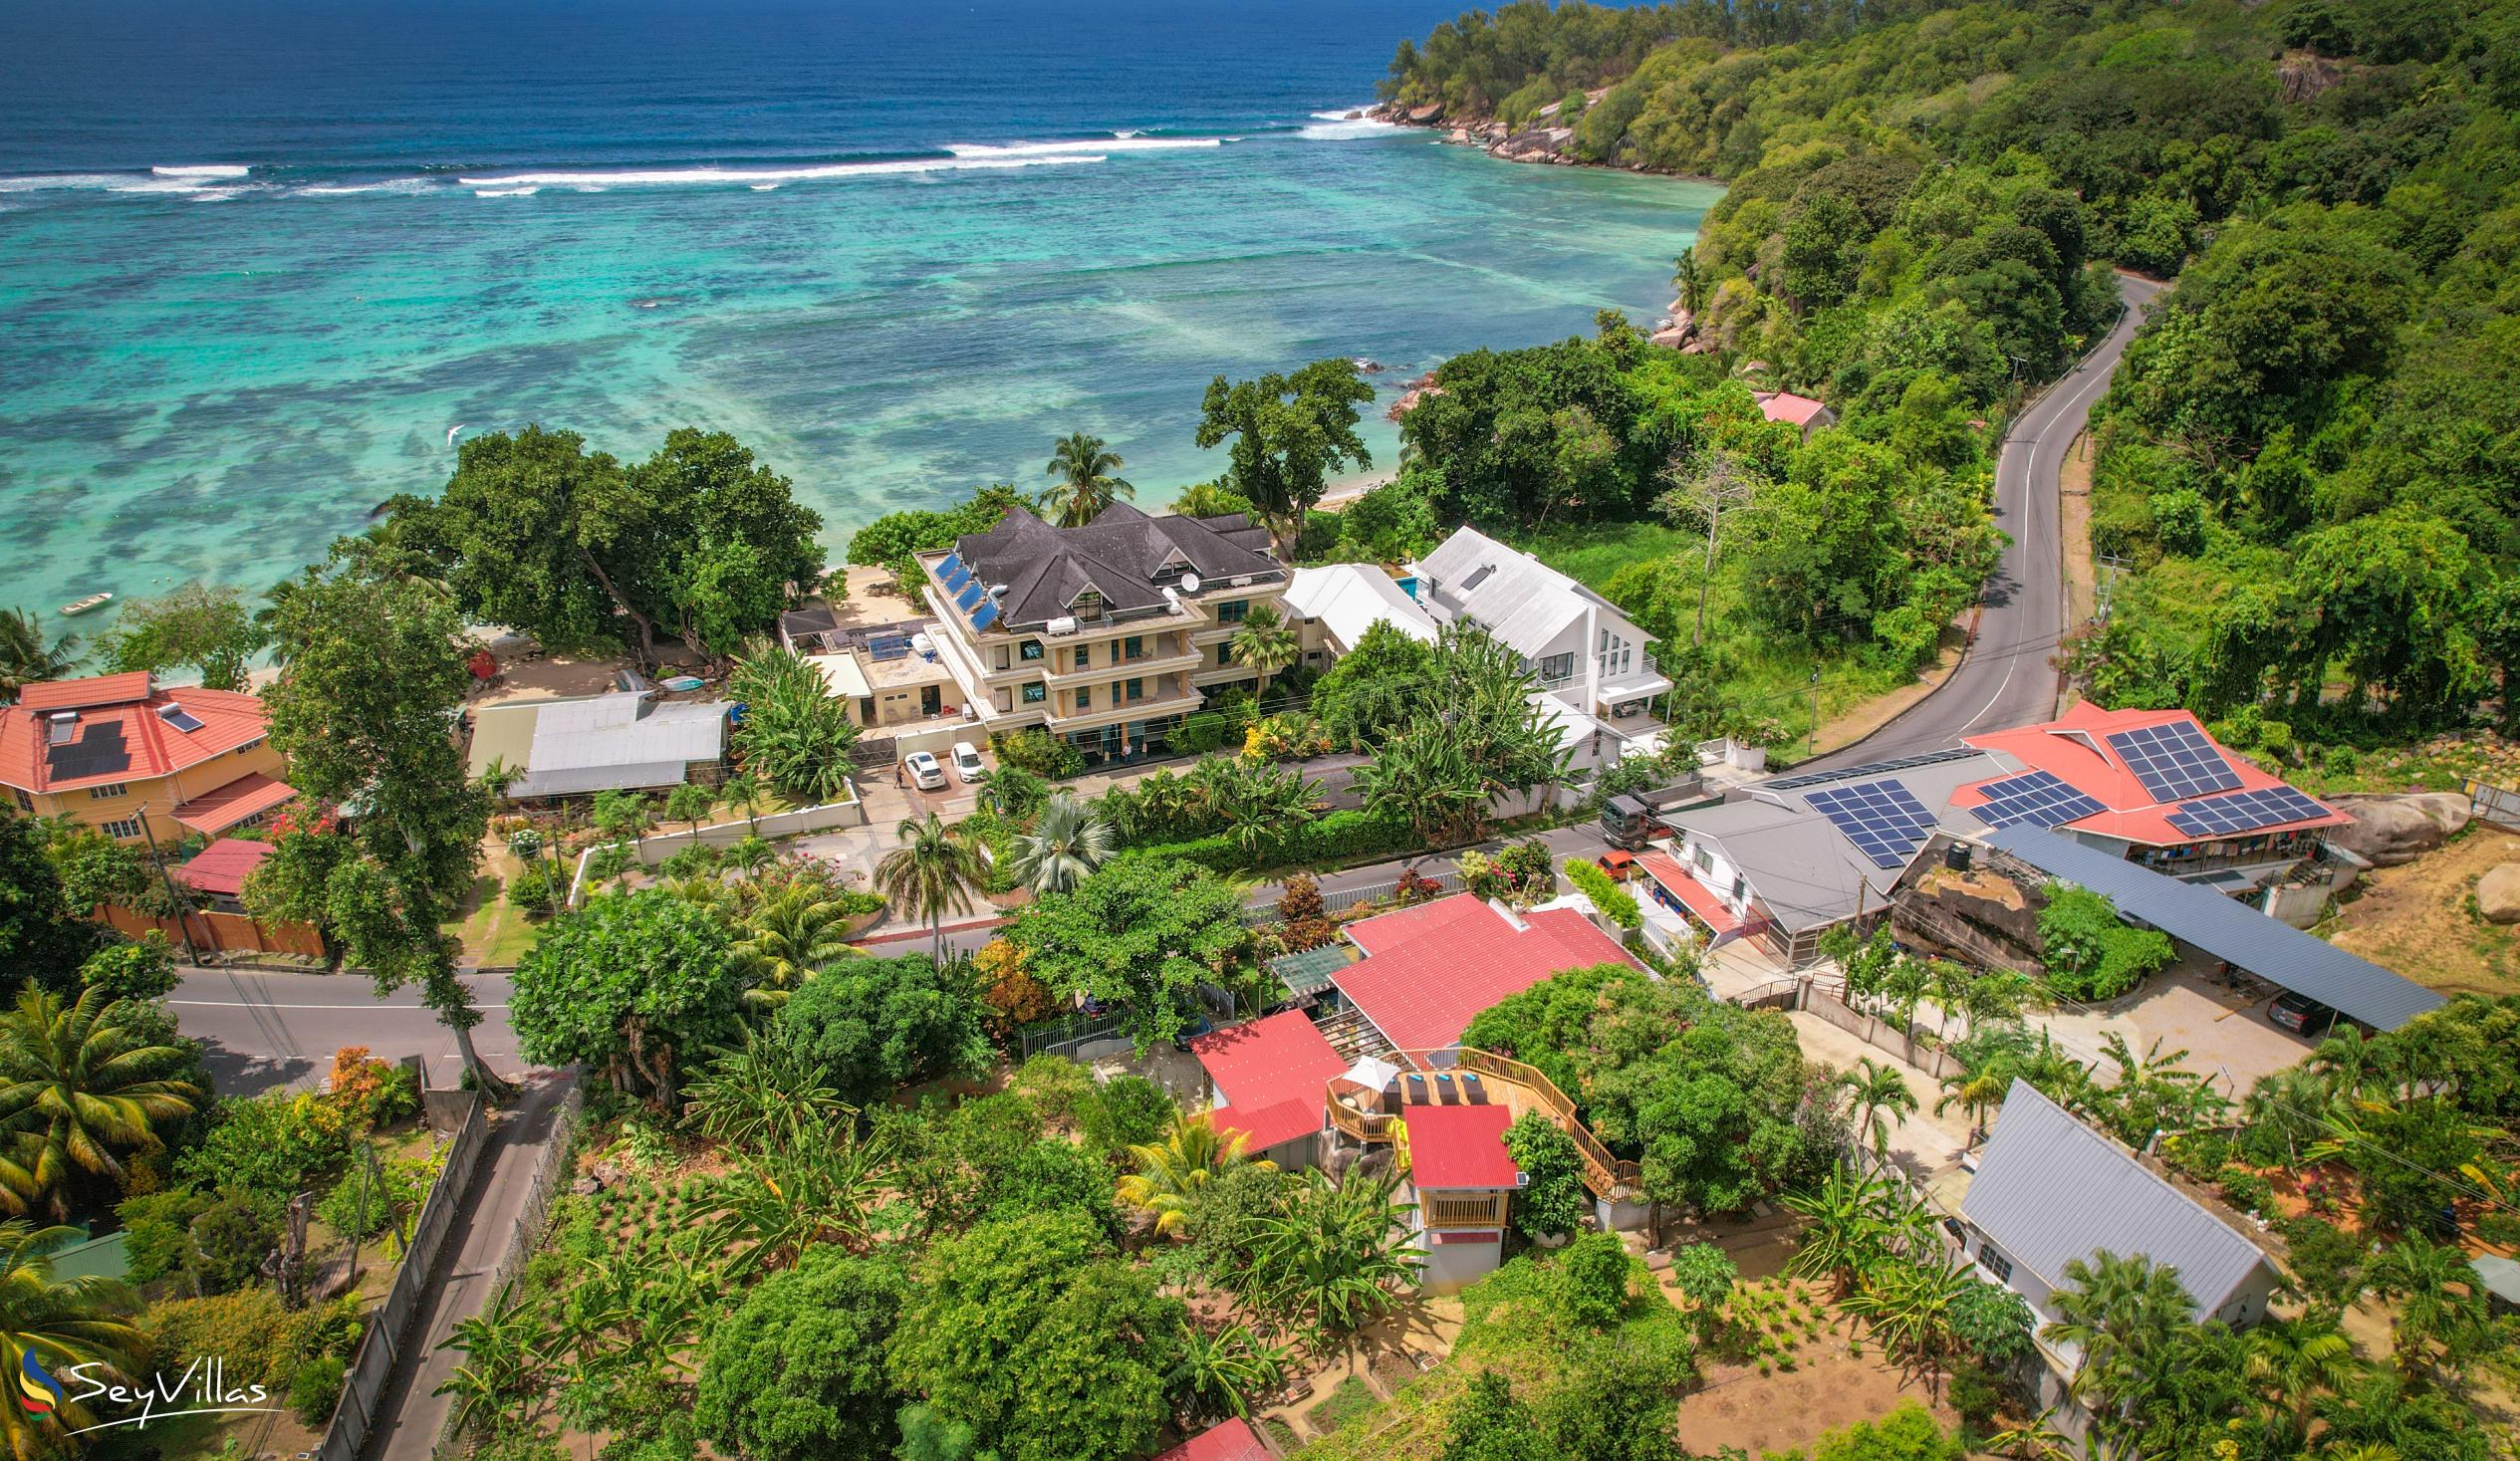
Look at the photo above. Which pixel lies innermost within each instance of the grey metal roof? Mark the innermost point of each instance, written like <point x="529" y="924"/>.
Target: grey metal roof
<point x="2050" y="1190"/>
<point x="2231" y="932"/>
<point x="1798" y="863"/>
<point x="617" y="742"/>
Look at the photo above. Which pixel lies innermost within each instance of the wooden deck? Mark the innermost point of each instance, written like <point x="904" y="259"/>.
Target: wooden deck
<point x="1500" y="1081"/>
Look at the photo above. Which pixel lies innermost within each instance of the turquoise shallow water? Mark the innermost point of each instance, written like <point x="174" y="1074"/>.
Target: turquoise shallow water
<point x="211" y="374"/>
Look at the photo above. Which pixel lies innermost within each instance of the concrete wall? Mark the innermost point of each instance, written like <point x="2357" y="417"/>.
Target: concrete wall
<point x="1450" y="1266"/>
<point x="1874" y="1031"/>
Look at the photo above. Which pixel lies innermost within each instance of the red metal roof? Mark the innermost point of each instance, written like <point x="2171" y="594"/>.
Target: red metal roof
<point x="1701" y="900"/>
<point x="221" y="867"/>
<point x="1422" y="991"/>
<point x="102" y="689"/>
<point x="1232" y="1442"/>
<point x="2075" y="749"/>
<point x="1785" y="406"/>
<point x="1390" y="930"/>
<point x="153" y="747"/>
<point x="1271" y="1075"/>
<point x="231" y="804"/>
<point x="1460" y="1146"/>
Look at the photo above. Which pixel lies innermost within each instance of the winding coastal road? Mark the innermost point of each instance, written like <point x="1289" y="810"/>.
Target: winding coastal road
<point x="2004" y="678"/>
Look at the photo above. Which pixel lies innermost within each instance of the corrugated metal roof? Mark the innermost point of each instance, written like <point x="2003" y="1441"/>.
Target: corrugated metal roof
<point x="2050" y="1190"/>
<point x="2232" y="931"/>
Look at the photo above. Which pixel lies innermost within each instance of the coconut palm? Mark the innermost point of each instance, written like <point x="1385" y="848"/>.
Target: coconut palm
<point x="1210" y="500"/>
<point x="1266" y="645"/>
<point x="1064" y="847"/>
<point x="25" y="657"/>
<point x="934" y="872"/>
<point x="1977" y="1091"/>
<point x="1338" y="1254"/>
<point x="788" y="939"/>
<point x="744" y="790"/>
<point x="1882" y="1099"/>
<point x="1689" y="280"/>
<point x="1085" y="485"/>
<point x="76" y="1081"/>
<point x="58" y="1324"/>
<point x="2438" y="1309"/>
<point x="1190" y="1157"/>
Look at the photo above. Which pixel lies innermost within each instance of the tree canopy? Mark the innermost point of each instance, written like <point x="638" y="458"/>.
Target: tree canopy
<point x="1141" y="934"/>
<point x="635" y="983"/>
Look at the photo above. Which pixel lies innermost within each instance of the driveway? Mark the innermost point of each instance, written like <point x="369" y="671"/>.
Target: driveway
<point x="1921" y="1142"/>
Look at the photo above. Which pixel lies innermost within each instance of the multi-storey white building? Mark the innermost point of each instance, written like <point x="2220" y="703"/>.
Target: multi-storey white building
<point x="1106" y="634"/>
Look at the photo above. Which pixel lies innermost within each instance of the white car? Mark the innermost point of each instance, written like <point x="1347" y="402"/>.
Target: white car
<point x="925" y="774"/>
<point x="967" y="762"/>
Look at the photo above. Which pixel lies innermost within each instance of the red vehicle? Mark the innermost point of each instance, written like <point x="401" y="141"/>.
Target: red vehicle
<point x="1618" y="864"/>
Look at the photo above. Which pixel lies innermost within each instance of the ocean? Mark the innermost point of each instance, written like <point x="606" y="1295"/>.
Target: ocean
<point x="258" y="260"/>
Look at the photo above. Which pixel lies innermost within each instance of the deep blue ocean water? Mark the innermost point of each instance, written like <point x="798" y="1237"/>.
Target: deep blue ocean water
<point x="258" y="259"/>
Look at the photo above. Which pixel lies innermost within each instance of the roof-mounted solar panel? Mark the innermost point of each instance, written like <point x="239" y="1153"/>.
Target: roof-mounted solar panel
<point x="2038" y="798"/>
<point x="1882" y="819"/>
<point x="178" y="717"/>
<point x="970" y="597"/>
<point x="952" y="565"/>
<point x="986" y="615"/>
<point x="1871" y="768"/>
<point x="2240" y="812"/>
<point x="2174" y="761"/>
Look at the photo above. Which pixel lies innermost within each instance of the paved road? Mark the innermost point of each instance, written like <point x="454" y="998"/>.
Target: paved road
<point x="267" y="1029"/>
<point x="2005" y="680"/>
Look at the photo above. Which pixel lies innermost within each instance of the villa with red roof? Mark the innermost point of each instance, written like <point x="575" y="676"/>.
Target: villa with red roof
<point x="1428" y="971"/>
<point x="117" y="753"/>
<point x="1269" y="1078"/>
<point x="1795" y="410"/>
<point x="1462" y="1181"/>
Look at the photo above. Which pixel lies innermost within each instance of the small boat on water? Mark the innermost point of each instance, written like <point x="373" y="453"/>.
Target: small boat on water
<point x="82" y="605"/>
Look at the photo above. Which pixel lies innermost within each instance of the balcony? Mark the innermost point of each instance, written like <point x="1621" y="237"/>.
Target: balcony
<point x="1106" y="667"/>
<point x="1456" y="1211"/>
<point x="1146" y="707"/>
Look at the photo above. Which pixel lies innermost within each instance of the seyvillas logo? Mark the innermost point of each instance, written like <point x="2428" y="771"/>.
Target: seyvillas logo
<point x="38" y="1391"/>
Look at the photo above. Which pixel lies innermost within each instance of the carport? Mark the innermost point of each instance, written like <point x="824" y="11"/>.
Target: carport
<point x="2228" y="930"/>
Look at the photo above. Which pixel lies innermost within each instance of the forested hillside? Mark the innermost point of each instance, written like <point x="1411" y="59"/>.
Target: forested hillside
<point x="2312" y="457"/>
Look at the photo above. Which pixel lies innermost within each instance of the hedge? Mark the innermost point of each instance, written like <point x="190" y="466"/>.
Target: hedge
<point x="1329" y="839"/>
<point x="1616" y="903"/>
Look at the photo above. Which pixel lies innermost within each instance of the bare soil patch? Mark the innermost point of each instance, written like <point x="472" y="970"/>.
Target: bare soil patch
<point x="2074" y="491"/>
<point x="2420" y="918"/>
<point x="1830" y="1386"/>
<point x="1857" y="721"/>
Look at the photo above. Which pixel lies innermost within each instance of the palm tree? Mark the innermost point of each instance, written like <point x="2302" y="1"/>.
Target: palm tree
<point x="1976" y="1090"/>
<point x="1230" y="1366"/>
<point x="1905" y="985"/>
<point x="1266" y="645"/>
<point x="2291" y="1361"/>
<point x="1085" y="486"/>
<point x="788" y="939"/>
<point x="1690" y="279"/>
<point x="689" y="803"/>
<point x="1210" y="500"/>
<point x="1190" y="1157"/>
<point x="75" y="1081"/>
<point x="2121" y="1313"/>
<point x="935" y="870"/>
<point x="25" y="659"/>
<point x="2035" y="1439"/>
<point x="1064" y="847"/>
<point x="1339" y="1253"/>
<point x="1882" y="1097"/>
<point x="57" y="1324"/>
<point x="1846" y="1229"/>
<point x="1909" y="1306"/>
<point x="744" y="790"/>
<point x="2438" y="1303"/>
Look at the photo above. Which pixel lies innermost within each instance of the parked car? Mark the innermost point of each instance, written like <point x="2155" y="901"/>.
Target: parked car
<point x="1618" y="864"/>
<point x="2302" y="1015"/>
<point x="925" y="774"/>
<point x="967" y="762"/>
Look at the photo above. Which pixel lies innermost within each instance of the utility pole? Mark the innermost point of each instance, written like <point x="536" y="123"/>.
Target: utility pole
<point x="1811" y="747"/>
<point x="2111" y="566"/>
<point x="174" y="901"/>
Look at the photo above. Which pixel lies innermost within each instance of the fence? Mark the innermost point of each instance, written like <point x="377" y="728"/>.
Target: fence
<point x="355" y="1413"/>
<point x="2497" y="804"/>
<point x="218" y="933"/>
<point x="1447" y="882"/>
<point x="1064" y="1037"/>
<point x="558" y="1150"/>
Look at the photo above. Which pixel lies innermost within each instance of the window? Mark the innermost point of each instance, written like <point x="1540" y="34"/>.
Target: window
<point x="1030" y="650"/>
<point x="1087" y="604"/>
<point x="1137" y="691"/>
<point x="1558" y="667"/>
<point x="1706" y="860"/>
<point x="1084" y="697"/>
<point x="1232" y="612"/>
<point x="122" y="828"/>
<point x="1224" y="654"/>
<point x="1993" y="1261"/>
<point x="1740" y="887"/>
<point x="1085" y="656"/>
<point x="106" y="792"/>
<point x="1005" y="656"/>
<point x="1133" y="648"/>
<point x="26" y="803"/>
<point x="254" y="744"/>
<point x="1033" y="694"/>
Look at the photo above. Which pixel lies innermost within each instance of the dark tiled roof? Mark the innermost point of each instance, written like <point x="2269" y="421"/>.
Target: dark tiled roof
<point x="1118" y="554"/>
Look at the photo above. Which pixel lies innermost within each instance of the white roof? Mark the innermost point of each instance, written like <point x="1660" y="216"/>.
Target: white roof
<point x="1352" y="598"/>
<point x="1521" y="602"/>
<point x="842" y="675"/>
<point x="605" y="742"/>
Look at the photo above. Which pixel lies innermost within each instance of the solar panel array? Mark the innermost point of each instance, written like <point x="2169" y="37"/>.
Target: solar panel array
<point x="1873" y="768"/>
<point x="1882" y="819"/>
<point x="100" y="752"/>
<point x="2245" y="812"/>
<point x="952" y="571"/>
<point x="881" y="648"/>
<point x="2174" y="761"/>
<point x="985" y="615"/>
<point x="2037" y="798"/>
<point x="969" y="596"/>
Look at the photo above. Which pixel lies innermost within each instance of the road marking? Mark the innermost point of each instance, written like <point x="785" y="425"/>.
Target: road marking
<point x="258" y="1004"/>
